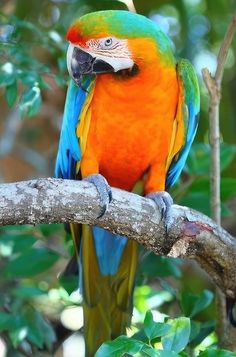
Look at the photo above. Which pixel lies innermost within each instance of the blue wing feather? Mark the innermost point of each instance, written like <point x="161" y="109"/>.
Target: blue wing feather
<point x="69" y="151"/>
<point x="190" y="109"/>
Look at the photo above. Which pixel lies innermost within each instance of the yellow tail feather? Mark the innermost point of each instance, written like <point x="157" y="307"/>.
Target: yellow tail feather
<point x="107" y="300"/>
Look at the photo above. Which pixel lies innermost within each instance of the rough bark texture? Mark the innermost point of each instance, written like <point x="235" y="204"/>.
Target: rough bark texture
<point x="186" y="233"/>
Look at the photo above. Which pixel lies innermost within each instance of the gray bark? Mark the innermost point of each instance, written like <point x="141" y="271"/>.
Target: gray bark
<point x="187" y="234"/>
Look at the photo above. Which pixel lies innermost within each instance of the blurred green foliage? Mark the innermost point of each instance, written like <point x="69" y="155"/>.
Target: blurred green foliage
<point x="183" y="317"/>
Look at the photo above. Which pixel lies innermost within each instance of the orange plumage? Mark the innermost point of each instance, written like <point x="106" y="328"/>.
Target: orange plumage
<point x="130" y="129"/>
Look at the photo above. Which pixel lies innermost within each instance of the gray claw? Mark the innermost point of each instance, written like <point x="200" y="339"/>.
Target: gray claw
<point x="104" y="191"/>
<point x="163" y="200"/>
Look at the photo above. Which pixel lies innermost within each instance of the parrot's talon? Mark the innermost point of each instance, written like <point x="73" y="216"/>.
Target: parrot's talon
<point x="110" y="194"/>
<point x="163" y="200"/>
<point x="104" y="191"/>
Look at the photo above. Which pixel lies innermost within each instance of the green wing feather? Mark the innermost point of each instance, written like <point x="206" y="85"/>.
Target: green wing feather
<point x="186" y="121"/>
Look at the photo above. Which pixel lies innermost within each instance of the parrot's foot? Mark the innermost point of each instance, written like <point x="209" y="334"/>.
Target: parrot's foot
<point x="163" y="200"/>
<point x="104" y="191"/>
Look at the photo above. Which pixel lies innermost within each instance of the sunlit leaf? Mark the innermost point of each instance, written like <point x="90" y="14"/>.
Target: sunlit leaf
<point x="178" y="336"/>
<point x="118" y="347"/>
<point x="154" y="329"/>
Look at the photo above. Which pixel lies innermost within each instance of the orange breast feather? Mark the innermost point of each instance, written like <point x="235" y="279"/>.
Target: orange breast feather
<point x="131" y="126"/>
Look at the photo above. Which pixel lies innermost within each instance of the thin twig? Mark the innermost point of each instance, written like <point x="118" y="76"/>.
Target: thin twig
<point x="130" y="5"/>
<point x="213" y="84"/>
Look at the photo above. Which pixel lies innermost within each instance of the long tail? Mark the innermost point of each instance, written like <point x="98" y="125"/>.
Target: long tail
<point x="107" y="272"/>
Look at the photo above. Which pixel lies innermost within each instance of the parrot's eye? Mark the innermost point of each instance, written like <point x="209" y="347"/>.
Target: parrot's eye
<point x="108" y="42"/>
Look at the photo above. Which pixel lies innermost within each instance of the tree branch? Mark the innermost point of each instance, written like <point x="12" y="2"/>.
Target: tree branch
<point x="224" y="50"/>
<point x="213" y="84"/>
<point x="190" y="234"/>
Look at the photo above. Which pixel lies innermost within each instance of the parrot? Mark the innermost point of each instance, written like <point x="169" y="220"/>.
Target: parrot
<point x="131" y="114"/>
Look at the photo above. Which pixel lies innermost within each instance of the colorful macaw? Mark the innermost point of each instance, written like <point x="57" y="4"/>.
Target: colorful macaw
<point x="130" y="114"/>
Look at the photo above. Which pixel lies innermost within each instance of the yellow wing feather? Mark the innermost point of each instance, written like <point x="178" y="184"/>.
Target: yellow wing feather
<point x="84" y="123"/>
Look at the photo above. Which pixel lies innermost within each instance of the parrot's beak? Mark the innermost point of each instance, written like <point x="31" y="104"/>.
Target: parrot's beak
<point x="80" y="62"/>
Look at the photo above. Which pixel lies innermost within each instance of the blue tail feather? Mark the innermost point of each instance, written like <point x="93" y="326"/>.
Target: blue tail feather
<point x="109" y="249"/>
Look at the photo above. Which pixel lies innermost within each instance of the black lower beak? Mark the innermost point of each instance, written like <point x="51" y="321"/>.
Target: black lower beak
<point x="83" y="63"/>
<point x="100" y="66"/>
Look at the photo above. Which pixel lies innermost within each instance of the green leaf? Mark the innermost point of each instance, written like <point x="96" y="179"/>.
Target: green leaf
<point x="193" y="304"/>
<point x="141" y="336"/>
<point x="28" y="78"/>
<point x="23" y="243"/>
<point x="69" y="282"/>
<point x="216" y="353"/>
<point x="33" y="261"/>
<point x="149" y="351"/>
<point x="228" y="187"/>
<point x="11" y="94"/>
<point x="19" y="243"/>
<point x="34" y="331"/>
<point x="198" y="196"/>
<point x="198" y="161"/>
<point x="195" y="329"/>
<point x="118" y="347"/>
<point x="197" y="200"/>
<point x="168" y="354"/>
<point x="30" y="102"/>
<point x="18" y="335"/>
<point x="39" y="332"/>
<point x="48" y="334"/>
<point x="199" y="158"/>
<point x="7" y="74"/>
<point x="206" y="328"/>
<point x="154" y="266"/>
<point x="5" y="321"/>
<point x="227" y="154"/>
<point x="48" y="229"/>
<point x="17" y="329"/>
<point x="28" y="291"/>
<point x="154" y="329"/>
<point x="178" y="336"/>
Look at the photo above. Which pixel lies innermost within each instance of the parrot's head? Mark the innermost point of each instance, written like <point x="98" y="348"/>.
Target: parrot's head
<point x="112" y="41"/>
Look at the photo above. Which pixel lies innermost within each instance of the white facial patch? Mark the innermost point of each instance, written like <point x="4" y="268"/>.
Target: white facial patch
<point x="111" y="50"/>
